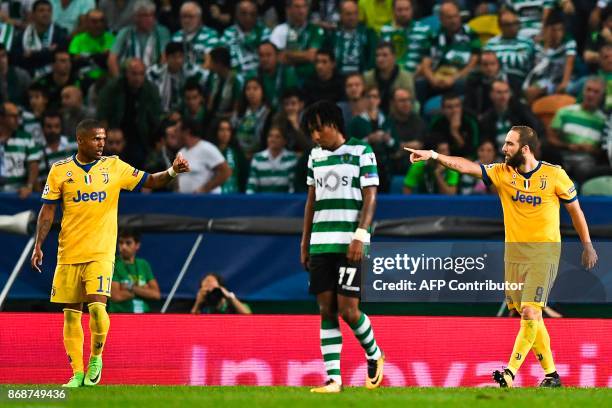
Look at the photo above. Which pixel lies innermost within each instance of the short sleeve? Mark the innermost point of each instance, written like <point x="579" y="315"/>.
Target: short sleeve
<point x="278" y="37"/>
<point x="130" y="177"/>
<point x="213" y="156"/>
<point x="570" y="48"/>
<point x="490" y="173"/>
<point x="52" y="193"/>
<point x="147" y="271"/>
<point x="565" y="188"/>
<point x="368" y="171"/>
<point x="310" y="173"/>
<point x="557" y="122"/>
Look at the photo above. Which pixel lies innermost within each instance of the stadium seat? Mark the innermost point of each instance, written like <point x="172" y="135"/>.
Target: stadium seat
<point x="486" y="26"/>
<point x="598" y="186"/>
<point x="546" y="107"/>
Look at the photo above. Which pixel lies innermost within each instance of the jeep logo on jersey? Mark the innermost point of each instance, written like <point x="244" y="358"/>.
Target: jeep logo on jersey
<point x="94" y="196"/>
<point x="332" y="181"/>
<point x="527" y="198"/>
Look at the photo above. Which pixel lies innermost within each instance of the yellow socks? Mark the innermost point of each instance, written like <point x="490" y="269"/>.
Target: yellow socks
<point x="98" y="324"/>
<point x="524" y="342"/>
<point x="541" y="348"/>
<point x="73" y="338"/>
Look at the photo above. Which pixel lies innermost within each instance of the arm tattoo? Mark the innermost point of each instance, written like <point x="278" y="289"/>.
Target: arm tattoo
<point x="42" y="230"/>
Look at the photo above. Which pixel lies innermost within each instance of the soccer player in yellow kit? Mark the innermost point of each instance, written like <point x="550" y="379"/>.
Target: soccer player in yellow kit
<point x="87" y="186"/>
<point x="530" y="192"/>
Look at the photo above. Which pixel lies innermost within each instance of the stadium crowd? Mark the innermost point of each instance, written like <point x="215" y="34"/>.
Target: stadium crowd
<point x="225" y="83"/>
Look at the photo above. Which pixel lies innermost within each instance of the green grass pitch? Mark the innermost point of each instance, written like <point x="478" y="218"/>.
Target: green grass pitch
<point x="294" y="397"/>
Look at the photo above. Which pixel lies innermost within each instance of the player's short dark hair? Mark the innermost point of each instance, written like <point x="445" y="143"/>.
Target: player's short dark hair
<point x="322" y="113"/>
<point x="88" y="125"/>
<point x="174" y="47"/>
<point x="386" y="44"/>
<point x="50" y="113"/>
<point x="39" y="3"/>
<point x="221" y="55"/>
<point x="327" y="52"/>
<point x="129" y="232"/>
<point x="448" y="96"/>
<point x="192" y="126"/>
<point x="554" y="17"/>
<point x="527" y="137"/>
<point x="193" y="85"/>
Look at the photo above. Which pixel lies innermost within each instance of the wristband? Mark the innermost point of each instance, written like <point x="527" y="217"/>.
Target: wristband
<point x="171" y="172"/>
<point x="361" y="234"/>
<point x="434" y="154"/>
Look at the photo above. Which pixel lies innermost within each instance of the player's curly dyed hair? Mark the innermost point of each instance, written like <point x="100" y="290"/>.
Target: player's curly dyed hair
<point x="322" y="113"/>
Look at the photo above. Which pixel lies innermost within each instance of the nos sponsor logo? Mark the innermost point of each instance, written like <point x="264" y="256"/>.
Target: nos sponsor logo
<point x="527" y="198"/>
<point x="331" y="181"/>
<point x="94" y="196"/>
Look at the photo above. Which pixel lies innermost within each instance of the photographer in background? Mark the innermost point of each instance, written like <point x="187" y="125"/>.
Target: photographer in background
<point x="213" y="297"/>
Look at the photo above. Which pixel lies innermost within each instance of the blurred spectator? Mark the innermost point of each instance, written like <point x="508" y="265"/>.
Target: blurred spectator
<point x="115" y="143"/>
<point x="244" y="37"/>
<point x="353" y="43"/>
<point x="7" y="33"/>
<point x="533" y="14"/>
<point x="298" y="39"/>
<point x="90" y="49"/>
<point x="454" y="126"/>
<point x="57" y="146"/>
<point x="251" y="118"/>
<point x="505" y="112"/>
<point x="213" y="297"/>
<point x="15" y="12"/>
<point x="409" y="37"/>
<point x="469" y="185"/>
<point x="371" y="127"/>
<point x="355" y="103"/>
<point x="605" y="73"/>
<point x="453" y="55"/>
<point x="170" y="78"/>
<point x="554" y="61"/>
<point x="31" y="121"/>
<point x="288" y="120"/>
<point x="145" y="39"/>
<point x="376" y="13"/>
<point x="197" y="39"/>
<point x="194" y="107"/>
<point x="223" y="137"/>
<point x="430" y="177"/>
<point x="387" y="75"/>
<point x="598" y="38"/>
<point x="478" y="84"/>
<point x="33" y="49"/>
<point x="133" y="286"/>
<point x="220" y="14"/>
<point x="132" y="104"/>
<point x="406" y="128"/>
<point x="68" y="13"/>
<point x="275" y="77"/>
<point x="14" y="81"/>
<point x="20" y="154"/>
<point x="38" y="99"/>
<point x="515" y="53"/>
<point x="209" y="170"/>
<point x="223" y="84"/>
<point x="168" y="144"/>
<point x="272" y="170"/>
<point x="119" y="13"/>
<point x="326" y="83"/>
<point x="61" y="75"/>
<point x="324" y="13"/>
<point x="579" y="131"/>
<point x="73" y="111"/>
<point x="595" y="18"/>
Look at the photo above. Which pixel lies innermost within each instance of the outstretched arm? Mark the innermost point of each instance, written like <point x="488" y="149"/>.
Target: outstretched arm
<point x="45" y="220"/>
<point x="589" y="256"/>
<point x="162" y="178"/>
<point x="463" y="166"/>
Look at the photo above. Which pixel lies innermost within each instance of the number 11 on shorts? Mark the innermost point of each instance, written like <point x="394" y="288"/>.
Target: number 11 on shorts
<point x="101" y="287"/>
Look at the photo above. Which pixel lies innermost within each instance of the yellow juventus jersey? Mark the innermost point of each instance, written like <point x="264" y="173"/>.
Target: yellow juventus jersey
<point x="89" y="194"/>
<point x="530" y="201"/>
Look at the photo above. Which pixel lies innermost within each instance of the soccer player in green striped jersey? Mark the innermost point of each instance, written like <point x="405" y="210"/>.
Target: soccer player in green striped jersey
<point x="342" y="182"/>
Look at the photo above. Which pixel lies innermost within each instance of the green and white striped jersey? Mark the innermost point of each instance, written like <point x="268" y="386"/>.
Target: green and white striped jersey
<point x="243" y="46"/>
<point x="197" y="45"/>
<point x="7" y="31"/>
<point x="64" y="150"/>
<point x="530" y="14"/>
<point x="411" y="43"/>
<point x="15" y="154"/>
<point x="578" y="126"/>
<point x="31" y="125"/>
<point x="454" y="51"/>
<point x="272" y="174"/>
<point x="338" y="177"/>
<point x="549" y="63"/>
<point x="515" y="54"/>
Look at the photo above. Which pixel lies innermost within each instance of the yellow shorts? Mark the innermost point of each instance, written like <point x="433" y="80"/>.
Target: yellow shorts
<point x="537" y="280"/>
<point x="73" y="282"/>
